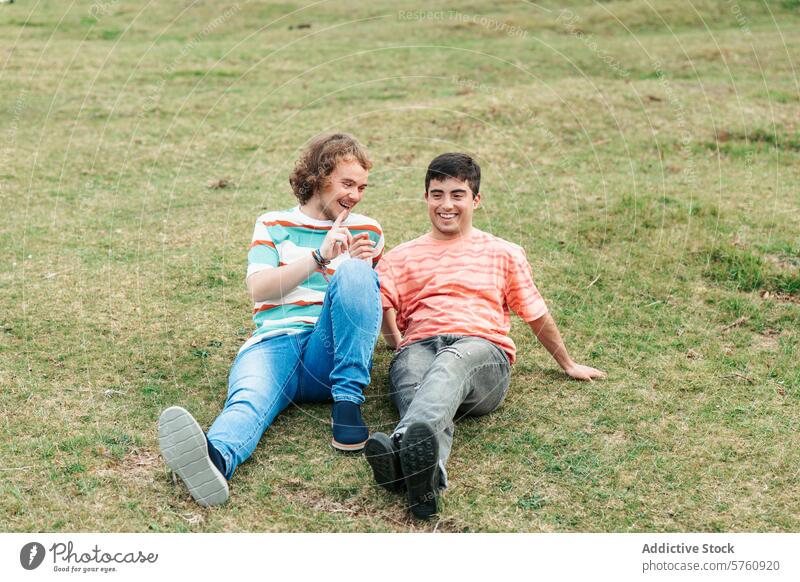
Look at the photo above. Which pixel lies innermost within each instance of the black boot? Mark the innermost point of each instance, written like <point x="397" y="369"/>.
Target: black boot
<point x="383" y="456"/>
<point x="419" y="459"/>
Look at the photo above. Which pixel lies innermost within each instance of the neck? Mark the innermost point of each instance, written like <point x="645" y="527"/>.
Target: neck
<point x="439" y="235"/>
<point x="312" y="210"/>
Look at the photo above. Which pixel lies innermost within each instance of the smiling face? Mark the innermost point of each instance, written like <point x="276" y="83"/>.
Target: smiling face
<point x="450" y="207"/>
<point x="342" y="190"/>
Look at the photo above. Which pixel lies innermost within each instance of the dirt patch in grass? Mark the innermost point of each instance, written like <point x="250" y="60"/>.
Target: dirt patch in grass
<point x="361" y="506"/>
<point x="141" y="461"/>
<point x="766" y="342"/>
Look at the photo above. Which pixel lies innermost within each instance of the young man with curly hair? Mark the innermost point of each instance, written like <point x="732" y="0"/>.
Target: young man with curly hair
<point x="317" y="315"/>
<point x="446" y="298"/>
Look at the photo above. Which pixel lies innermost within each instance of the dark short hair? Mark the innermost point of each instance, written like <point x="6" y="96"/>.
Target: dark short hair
<point x="319" y="160"/>
<point x="455" y="165"/>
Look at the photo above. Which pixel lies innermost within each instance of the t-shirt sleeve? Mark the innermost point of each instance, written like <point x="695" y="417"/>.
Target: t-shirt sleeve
<point x="386" y="274"/>
<point x="262" y="253"/>
<point x="521" y="293"/>
<point x="379" y="247"/>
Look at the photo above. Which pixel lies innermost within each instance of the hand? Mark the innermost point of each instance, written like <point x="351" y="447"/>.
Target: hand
<point x="581" y="372"/>
<point x="362" y="247"/>
<point x="337" y="240"/>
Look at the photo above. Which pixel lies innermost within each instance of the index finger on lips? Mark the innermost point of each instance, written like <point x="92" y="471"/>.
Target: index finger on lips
<point x="341" y="218"/>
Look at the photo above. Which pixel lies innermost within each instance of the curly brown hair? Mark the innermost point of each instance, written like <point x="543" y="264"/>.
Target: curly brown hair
<point x="319" y="160"/>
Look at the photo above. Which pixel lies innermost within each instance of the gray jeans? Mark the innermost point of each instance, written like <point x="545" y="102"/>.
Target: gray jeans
<point x="445" y="377"/>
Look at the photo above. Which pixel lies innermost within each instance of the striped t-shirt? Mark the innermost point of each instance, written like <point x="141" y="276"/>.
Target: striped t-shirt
<point x="286" y="236"/>
<point x="463" y="286"/>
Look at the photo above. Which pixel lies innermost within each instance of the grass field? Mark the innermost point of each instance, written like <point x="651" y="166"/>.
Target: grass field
<point x="645" y="154"/>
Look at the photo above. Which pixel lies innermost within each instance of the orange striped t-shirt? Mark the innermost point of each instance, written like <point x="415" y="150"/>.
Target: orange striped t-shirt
<point x="464" y="286"/>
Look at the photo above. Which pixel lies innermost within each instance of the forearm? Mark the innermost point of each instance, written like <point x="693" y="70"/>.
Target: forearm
<point x="276" y="283"/>
<point x="389" y="330"/>
<point x="548" y="335"/>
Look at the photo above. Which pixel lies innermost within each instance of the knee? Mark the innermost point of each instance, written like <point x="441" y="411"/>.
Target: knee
<point x="355" y="268"/>
<point x="482" y="407"/>
<point x="356" y="276"/>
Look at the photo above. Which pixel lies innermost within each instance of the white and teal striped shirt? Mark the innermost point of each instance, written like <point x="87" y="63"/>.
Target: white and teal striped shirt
<point x="283" y="237"/>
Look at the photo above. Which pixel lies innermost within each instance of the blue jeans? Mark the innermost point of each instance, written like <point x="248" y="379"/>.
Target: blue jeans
<point x="332" y="361"/>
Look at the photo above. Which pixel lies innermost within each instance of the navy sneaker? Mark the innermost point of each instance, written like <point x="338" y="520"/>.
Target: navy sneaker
<point x="349" y="431"/>
<point x="383" y="456"/>
<point x="419" y="459"/>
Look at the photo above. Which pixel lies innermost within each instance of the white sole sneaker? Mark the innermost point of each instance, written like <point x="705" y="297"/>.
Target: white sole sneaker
<point x="183" y="446"/>
<point x="347" y="448"/>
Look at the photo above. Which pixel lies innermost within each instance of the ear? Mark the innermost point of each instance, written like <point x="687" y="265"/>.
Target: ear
<point x="476" y="200"/>
<point x="426" y="194"/>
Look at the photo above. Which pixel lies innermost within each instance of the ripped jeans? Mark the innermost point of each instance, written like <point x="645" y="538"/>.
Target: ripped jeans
<point x="442" y="378"/>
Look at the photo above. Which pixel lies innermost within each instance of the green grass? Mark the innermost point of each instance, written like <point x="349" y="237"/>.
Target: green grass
<point x="746" y="271"/>
<point x="645" y="156"/>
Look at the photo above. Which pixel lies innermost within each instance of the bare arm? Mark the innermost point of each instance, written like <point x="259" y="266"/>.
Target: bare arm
<point x="276" y="283"/>
<point x="547" y="333"/>
<point x="389" y="328"/>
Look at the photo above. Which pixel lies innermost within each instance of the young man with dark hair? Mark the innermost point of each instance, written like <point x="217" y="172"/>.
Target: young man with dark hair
<point x="446" y="298"/>
<point x="317" y="315"/>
